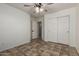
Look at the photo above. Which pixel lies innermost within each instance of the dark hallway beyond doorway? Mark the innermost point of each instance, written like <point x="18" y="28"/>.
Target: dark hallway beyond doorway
<point x="40" y="30"/>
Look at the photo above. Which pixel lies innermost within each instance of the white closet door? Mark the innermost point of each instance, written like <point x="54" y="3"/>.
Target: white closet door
<point x="63" y="29"/>
<point x="52" y="29"/>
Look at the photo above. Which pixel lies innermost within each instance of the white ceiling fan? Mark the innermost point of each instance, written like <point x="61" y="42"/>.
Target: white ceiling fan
<point x="38" y="6"/>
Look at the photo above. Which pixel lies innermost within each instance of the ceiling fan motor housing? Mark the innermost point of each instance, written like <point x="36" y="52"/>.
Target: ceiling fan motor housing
<point x="38" y="5"/>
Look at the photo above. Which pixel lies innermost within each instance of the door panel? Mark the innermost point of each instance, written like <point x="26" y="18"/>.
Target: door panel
<point x="63" y="30"/>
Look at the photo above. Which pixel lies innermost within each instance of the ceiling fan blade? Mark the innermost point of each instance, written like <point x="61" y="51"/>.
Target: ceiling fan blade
<point x="49" y="3"/>
<point x="28" y="5"/>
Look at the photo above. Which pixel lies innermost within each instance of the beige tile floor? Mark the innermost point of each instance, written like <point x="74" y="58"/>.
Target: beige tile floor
<point x="39" y="47"/>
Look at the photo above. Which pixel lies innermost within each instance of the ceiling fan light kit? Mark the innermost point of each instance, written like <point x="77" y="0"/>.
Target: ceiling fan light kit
<point x="39" y="7"/>
<point x="41" y="10"/>
<point x="36" y="9"/>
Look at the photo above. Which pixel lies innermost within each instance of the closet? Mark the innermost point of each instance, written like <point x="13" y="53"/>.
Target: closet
<point x="58" y="29"/>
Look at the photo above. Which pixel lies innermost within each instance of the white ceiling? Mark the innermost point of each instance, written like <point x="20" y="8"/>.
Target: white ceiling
<point x="50" y="8"/>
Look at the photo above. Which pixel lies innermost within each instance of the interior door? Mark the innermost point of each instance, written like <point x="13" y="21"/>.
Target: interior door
<point x="57" y="29"/>
<point x="63" y="29"/>
<point x="34" y="29"/>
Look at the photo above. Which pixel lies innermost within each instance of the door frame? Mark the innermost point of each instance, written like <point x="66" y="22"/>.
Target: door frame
<point x="43" y="27"/>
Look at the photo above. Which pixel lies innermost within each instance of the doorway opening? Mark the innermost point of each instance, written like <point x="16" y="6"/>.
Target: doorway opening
<point x="40" y="29"/>
<point x="37" y="28"/>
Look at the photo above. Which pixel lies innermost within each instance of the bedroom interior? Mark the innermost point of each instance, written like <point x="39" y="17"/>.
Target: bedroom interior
<point x="39" y="29"/>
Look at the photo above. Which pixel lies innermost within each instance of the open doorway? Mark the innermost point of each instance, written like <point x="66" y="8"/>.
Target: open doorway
<point x="37" y="28"/>
<point x="40" y="29"/>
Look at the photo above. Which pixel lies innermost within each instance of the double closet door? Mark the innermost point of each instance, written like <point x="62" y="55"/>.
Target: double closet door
<point x="58" y="29"/>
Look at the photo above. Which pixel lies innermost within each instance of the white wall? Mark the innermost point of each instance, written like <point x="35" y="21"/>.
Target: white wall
<point x="14" y="27"/>
<point x="77" y="29"/>
<point x="72" y="13"/>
